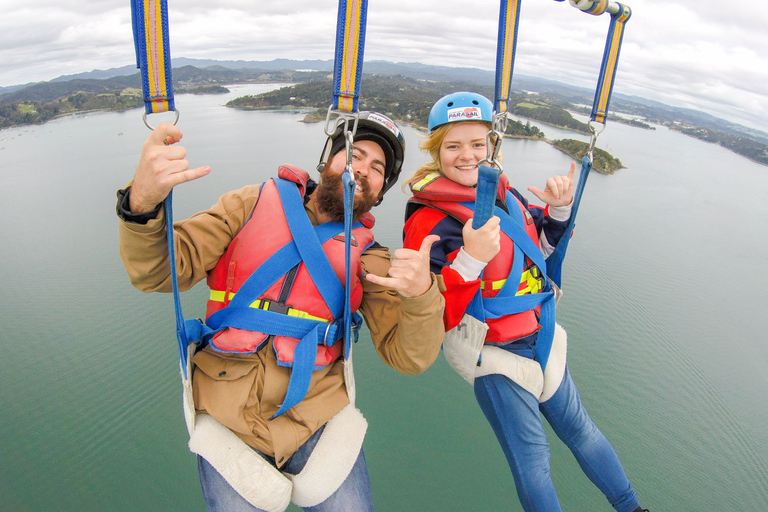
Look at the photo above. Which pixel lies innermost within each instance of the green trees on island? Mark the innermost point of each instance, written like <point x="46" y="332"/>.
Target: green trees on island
<point x="403" y="98"/>
<point x="36" y="112"/>
<point x="602" y="161"/>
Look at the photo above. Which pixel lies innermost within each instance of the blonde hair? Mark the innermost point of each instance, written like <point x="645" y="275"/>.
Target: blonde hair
<point x="431" y="145"/>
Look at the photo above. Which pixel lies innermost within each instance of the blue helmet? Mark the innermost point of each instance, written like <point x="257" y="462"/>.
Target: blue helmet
<point x="460" y="106"/>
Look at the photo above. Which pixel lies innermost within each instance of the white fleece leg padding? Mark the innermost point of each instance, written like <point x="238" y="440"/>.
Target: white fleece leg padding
<point x="527" y="372"/>
<point x="555" y="370"/>
<point x="349" y="376"/>
<point x="521" y="370"/>
<point x="187" y="398"/>
<point x="462" y="346"/>
<point x="252" y="477"/>
<point x="332" y="459"/>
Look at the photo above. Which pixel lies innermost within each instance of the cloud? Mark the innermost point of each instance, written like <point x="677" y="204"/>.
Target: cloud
<point x="702" y="54"/>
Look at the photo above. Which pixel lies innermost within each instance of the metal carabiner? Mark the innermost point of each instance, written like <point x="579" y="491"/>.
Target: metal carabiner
<point x="496" y="133"/>
<point x="146" y="122"/>
<point x="593" y="139"/>
<point x="349" y="141"/>
<point x="342" y="120"/>
<point x="334" y="119"/>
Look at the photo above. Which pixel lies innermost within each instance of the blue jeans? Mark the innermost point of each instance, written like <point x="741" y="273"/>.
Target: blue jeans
<point x="514" y="416"/>
<point x="354" y="495"/>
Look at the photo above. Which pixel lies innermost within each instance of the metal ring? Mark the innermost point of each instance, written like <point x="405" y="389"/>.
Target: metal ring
<point x="146" y="122"/>
<point x="325" y="336"/>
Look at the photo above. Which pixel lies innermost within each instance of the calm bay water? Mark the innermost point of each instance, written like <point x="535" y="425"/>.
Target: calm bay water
<point x="665" y="284"/>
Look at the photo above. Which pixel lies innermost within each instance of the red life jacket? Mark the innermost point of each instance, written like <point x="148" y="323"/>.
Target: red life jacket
<point x="263" y="234"/>
<point x="440" y="193"/>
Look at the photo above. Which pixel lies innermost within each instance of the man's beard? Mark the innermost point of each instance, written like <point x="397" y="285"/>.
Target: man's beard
<point x="330" y="193"/>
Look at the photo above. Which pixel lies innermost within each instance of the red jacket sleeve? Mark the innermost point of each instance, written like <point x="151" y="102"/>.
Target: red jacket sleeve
<point x="458" y="293"/>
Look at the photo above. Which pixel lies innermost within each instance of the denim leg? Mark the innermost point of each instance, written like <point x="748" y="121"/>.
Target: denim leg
<point x="219" y="495"/>
<point x="597" y="458"/>
<point x="354" y="494"/>
<point x="514" y="416"/>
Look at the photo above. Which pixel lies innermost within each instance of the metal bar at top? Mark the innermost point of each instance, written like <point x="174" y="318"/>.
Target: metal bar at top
<point x="588" y="5"/>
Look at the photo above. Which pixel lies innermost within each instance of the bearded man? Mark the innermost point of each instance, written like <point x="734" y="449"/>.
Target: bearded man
<point x="252" y="431"/>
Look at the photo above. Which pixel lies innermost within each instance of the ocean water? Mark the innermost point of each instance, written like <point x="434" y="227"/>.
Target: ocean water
<point x="665" y="285"/>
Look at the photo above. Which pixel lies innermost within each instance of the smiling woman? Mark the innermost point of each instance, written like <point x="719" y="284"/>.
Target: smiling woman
<point x="461" y="151"/>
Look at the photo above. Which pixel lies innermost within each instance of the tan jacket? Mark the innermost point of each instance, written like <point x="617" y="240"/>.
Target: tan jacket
<point x="243" y="391"/>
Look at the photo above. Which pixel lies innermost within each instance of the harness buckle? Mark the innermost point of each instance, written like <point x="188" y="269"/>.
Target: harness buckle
<point x="276" y="307"/>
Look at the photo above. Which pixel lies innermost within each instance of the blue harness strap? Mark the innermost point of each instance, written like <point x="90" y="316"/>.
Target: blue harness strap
<point x="555" y="260"/>
<point x="485" y="199"/>
<point x="506" y="301"/>
<point x="349" y="199"/>
<point x="181" y="325"/>
<point x="309" y="246"/>
<point x="305" y="247"/>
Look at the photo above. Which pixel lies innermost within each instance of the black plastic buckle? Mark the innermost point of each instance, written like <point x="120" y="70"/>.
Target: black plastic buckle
<point x="276" y="307"/>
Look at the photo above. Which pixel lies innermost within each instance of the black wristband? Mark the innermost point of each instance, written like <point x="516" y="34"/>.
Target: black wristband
<point x="123" y="209"/>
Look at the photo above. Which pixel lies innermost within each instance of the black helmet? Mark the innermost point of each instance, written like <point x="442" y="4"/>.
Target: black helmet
<point x="377" y="128"/>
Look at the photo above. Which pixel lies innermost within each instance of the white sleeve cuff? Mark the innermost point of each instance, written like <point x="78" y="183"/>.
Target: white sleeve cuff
<point x="561" y="213"/>
<point x="468" y="267"/>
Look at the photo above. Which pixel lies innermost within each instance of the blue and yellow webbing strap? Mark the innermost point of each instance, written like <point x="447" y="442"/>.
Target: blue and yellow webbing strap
<point x="620" y="13"/>
<point x="347" y="74"/>
<point x="610" y="57"/>
<point x="153" y="54"/>
<point x="509" y="17"/>
<point x="348" y="63"/>
<point x="488" y="175"/>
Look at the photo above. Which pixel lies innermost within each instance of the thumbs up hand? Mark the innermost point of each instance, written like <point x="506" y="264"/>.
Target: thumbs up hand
<point x="409" y="273"/>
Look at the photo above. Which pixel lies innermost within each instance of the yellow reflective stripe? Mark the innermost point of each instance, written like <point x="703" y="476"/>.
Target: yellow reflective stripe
<point x="530" y="280"/>
<point x="218" y="296"/>
<point x="493" y="285"/>
<point x="304" y="314"/>
<point x="426" y="180"/>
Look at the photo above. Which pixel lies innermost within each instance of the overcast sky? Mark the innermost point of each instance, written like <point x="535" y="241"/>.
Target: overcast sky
<point x="708" y="55"/>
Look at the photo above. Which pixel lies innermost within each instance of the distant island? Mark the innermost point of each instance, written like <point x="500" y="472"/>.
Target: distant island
<point x="404" y="91"/>
<point x="408" y="101"/>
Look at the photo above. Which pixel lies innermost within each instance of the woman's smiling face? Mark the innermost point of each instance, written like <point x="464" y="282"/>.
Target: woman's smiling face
<point x="463" y="147"/>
